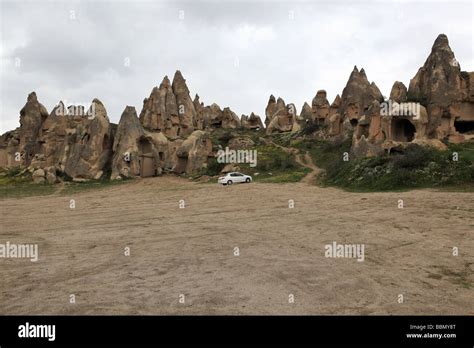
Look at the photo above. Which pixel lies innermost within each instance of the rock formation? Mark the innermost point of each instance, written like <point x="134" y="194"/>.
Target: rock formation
<point x="10" y="149"/>
<point x="88" y="147"/>
<point x="69" y="141"/>
<point x="357" y="96"/>
<point x="437" y="106"/>
<point x="446" y="92"/>
<point x="125" y="162"/>
<point x="335" y="118"/>
<point x="279" y="116"/>
<point x="32" y="116"/>
<point x="398" y="92"/>
<point x="320" y="107"/>
<point x="172" y="132"/>
<point x="186" y="111"/>
<point x="192" y="153"/>
<point x="251" y="122"/>
<point x="160" y="110"/>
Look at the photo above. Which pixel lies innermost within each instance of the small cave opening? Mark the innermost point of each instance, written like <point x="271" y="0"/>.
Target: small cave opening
<point x="403" y="130"/>
<point x="354" y="122"/>
<point x="105" y="142"/>
<point x="145" y="146"/>
<point x="464" y="126"/>
<point x="217" y="124"/>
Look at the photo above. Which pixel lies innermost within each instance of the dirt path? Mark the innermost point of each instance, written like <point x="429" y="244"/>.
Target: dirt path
<point x="281" y="251"/>
<point x="304" y="160"/>
<point x="307" y="161"/>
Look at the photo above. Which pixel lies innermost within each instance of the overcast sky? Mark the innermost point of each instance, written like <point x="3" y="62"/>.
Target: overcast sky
<point x="235" y="53"/>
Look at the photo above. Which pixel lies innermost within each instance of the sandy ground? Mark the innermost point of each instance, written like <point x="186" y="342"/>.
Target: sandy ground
<point x="190" y="251"/>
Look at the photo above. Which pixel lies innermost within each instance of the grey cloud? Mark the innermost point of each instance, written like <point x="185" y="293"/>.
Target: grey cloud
<point x="82" y="58"/>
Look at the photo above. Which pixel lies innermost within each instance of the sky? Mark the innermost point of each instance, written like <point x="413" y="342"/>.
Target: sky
<point x="233" y="53"/>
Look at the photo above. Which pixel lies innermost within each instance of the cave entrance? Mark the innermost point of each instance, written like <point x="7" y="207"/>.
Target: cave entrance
<point x="403" y="130"/>
<point x="464" y="126"/>
<point x="147" y="160"/>
<point x="181" y="165"/>
<point x="105" y="143"/>
<point x="354" y="122"/>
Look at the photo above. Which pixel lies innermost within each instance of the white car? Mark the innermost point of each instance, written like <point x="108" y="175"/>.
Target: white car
<point x="233" y="178"/>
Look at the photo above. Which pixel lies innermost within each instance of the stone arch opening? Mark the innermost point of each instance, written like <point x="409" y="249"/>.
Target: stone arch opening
<point x="403" y="130"/>
<point x="464" y="126"/>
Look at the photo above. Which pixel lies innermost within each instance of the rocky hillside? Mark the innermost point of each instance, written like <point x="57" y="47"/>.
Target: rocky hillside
<point x="173" y="133"/>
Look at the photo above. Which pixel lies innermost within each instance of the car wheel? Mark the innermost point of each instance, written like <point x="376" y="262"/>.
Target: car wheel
<point x="229" y="182"/>
<point x="247" y="180"/>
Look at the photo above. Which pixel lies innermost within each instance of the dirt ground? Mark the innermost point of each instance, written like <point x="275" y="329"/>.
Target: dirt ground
<point x="190" y="251"/>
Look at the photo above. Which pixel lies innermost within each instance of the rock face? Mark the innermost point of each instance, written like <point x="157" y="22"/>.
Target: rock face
<point x="186" y="111"/>
<point x="357" y="96"/>
<point x="71" y="141"/>
<point x="230" y="119"/>
<point x="170" y="110"/>
<point x="320" y="107"/>
<point x="398" y="92"/>
<point x="439" y="80"/>
<point x="160" y="110"/>
<point x="172" y="132"/>
<point x="85" y="146"/>
<point x="335" y="118"/>
<point x="446" y="92"/>
<point x="88" y="148"/>
<point x="10" y="149"/>
<point x="138" y="152"/>
<point x="126" y="156"/>
<point x="270" y="110"/>
<point x="438" y="106"/>
<point x="32" y="116"/>
<point x="251" y="122"/>
<point x="279" y="116"/>
<point x="202" y="120"/>
<point x="192" y="153"/>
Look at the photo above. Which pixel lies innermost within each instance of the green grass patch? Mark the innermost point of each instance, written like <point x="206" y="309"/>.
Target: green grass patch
<point x="16" y="190"/>
<point x="273" y="165"/>
<point x="14" y="185"/>
<point x="279" y="177"/>
<point x="76" y="187"/>
<point x="416" y="167"/>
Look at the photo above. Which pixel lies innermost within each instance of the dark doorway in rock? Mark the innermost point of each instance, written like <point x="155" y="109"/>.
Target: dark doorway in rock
<point x="105" y="143"/>
<point x="181" y="165"/>
<point x="147" y="160"/>
<point x="403" y="130"/>
<point x="464" y="126"/>
<point x="354" y="122"/>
